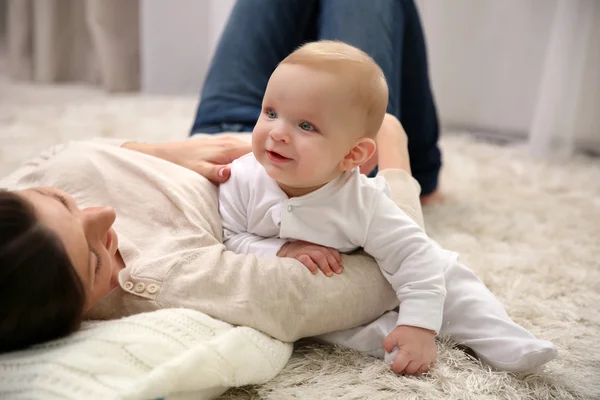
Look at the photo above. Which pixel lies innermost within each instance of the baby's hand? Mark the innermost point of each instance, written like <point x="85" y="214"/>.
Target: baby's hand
<point x="313" y="256"/>
<point x="416" y="349"/>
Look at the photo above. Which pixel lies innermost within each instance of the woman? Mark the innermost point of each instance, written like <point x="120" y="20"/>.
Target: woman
<point x="261" y="33"/>
<point x="148" y="236"/>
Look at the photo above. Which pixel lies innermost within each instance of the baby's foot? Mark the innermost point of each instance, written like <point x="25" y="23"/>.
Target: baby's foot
<point x="525" y="356"/>
<point x="475" y="318"/>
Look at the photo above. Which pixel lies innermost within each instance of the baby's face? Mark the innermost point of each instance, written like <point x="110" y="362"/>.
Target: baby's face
<point x="306" y="127"/>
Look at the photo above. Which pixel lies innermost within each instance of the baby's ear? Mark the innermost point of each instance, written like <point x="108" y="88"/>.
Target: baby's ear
<point x="359" y="154"/>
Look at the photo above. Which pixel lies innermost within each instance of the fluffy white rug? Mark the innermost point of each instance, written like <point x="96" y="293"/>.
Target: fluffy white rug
<point x="530" y="229"/>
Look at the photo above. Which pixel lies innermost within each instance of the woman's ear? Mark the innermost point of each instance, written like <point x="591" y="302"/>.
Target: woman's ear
<point x="359" y="154"/>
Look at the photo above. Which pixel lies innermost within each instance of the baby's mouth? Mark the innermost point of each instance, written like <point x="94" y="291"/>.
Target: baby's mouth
<point x="276" y="157"/>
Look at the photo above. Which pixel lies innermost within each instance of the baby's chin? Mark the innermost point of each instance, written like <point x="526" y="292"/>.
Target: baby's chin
<point x="279" y="177"/>
<point x="275" y="172"/>
<point x="286" y="179"/>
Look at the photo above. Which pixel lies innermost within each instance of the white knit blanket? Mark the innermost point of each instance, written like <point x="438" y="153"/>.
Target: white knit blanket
<point x="172" y="354"/>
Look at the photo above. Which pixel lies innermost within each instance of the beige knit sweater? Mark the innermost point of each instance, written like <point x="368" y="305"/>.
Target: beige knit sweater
<point x="170" y="238"/>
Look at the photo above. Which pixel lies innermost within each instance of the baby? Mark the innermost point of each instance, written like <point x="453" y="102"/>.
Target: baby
<point x="301" y="195"/>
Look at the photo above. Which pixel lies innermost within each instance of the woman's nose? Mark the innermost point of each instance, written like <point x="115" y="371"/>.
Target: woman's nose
<point x="98" y="220"/>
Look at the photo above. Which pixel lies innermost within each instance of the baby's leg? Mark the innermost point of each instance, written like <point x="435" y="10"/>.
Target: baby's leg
<point x="475" y="318"/>
<point x="367" y="338"/>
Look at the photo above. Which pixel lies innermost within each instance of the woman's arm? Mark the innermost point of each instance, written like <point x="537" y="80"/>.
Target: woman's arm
<point x="281" y="297"/>
<point x="208" y="157"/>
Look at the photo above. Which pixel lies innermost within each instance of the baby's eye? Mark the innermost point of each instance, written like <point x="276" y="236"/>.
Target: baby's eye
<point x="271" y="114"/>
<point x="307" y="126"/>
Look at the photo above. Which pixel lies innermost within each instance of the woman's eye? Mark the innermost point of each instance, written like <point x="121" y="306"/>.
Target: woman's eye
<point x="63" y="200"/>
<point x="307" y="127"/>
<point x="98" y="261"/>
<point x="271" y="114"/>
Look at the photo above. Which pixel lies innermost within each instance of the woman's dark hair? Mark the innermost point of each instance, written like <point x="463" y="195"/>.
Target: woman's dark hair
<point x="41" y="295"/>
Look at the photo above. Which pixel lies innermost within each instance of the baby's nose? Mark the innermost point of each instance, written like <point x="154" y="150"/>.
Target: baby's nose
<point x="280" y="135"/>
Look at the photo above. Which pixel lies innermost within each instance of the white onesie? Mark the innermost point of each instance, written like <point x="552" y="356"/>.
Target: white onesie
<point x="350" y="212"/>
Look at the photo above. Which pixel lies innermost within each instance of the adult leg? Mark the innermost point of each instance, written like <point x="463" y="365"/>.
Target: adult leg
<point x="258" y="35"/>
<point x="391" y="33"/>
<point x="417" y="107"/>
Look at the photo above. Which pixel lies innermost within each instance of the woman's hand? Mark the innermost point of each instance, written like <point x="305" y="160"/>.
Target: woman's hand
<point x="209" y="157"/>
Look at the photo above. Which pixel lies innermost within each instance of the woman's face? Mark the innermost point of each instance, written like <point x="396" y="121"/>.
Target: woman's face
<point x="87" y="236"/>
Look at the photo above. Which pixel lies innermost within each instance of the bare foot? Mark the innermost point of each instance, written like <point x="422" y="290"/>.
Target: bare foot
<point x="433" y="198"/>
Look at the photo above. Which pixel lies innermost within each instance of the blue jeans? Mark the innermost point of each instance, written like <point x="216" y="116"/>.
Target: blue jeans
<point x="261" y="33"/>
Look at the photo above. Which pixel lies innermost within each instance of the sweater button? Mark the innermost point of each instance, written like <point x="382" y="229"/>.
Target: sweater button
<point x="128" y="285"/>
<point x="152" y="288"/>
<point x="289" y="208"/>
<point x="139" y="287"/>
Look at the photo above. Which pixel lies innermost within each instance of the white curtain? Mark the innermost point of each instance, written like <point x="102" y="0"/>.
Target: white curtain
<point x="524" y="69"/>
<point x="570" y="82"/>
<point x="95" y="41"/>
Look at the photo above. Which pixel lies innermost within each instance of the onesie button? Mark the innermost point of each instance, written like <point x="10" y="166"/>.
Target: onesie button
<point x="289" y="208"/>
<point x="139" y="287"/>
<point x="152" y="288"/>
<point x="128" y="285"/>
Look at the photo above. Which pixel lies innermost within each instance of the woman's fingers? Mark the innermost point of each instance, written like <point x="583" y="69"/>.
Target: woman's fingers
<point x="237" y="152"/>
<point x="223" y="173"/>
<point x="214" y="172"/>
<point x="235" y="148"/>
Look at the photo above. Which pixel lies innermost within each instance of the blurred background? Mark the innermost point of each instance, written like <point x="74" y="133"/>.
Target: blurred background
<point x="525" y="69"/>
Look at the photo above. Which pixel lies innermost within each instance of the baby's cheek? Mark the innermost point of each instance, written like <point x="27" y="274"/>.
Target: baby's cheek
<point x="309" y="166"/>
<point x="313" y="172"/>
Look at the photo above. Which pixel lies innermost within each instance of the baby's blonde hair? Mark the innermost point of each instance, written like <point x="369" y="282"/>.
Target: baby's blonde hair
<point x="356" y="68"/>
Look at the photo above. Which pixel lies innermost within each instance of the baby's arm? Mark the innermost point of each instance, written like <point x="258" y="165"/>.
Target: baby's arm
<point x="410" y="261"/>
<point x="233" y="204"/>
<point x="233" y="207"/>
<point x="414" y="266"/>
<point x="249" y="243"/>
<point x="234" y="200"/>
